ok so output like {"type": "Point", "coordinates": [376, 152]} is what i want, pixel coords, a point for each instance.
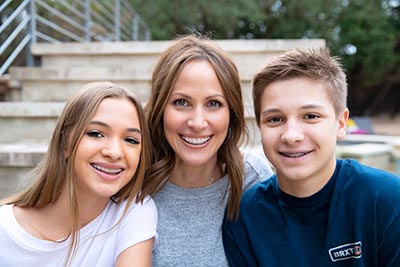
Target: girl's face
{"type": "Point", "coordinates": [108, 153]}
{"type": "Point", "coordinates": [196, 118]}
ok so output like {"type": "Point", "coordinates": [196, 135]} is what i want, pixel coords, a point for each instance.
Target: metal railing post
{"type": "Point", "coordinates": [87, 20]}
{"type": "Point", "coordinates": [30, 61]}
{"type": "Point", "coordinates": [135, 28]}
{"type": "Point", "coordinates": [117, 18]}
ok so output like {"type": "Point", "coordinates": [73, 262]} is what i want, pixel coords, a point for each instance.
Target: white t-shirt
{"type": "Point", "coordinates": [98, 245]}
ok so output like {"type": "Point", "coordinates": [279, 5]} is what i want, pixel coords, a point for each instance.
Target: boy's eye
{"type": "Point", "coordinates": [311, 116]}
{"type": "Point", "coordinates": [214, 104]}
{"type": "Point", "coordinates": [94, 134]}
{"type": "Point", "coordinates": [181, 103]}
{"type": "Point", "coordinates": [132, 140]}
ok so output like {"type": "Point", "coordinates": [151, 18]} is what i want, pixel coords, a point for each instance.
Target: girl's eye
{"type": "Point", "coordinates": [214, 104]}
{"type": "Point", "coordinates": [274, 120]}
{"type": "Point", "coordinates": [132, 140]}
{"type": "Point", "coordinates": [181, 103]}
{"type": "Point", "coordinates": [94, 134]}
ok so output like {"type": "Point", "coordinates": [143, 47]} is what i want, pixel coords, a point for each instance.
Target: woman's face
{"type": "Point", "coordinates": [196, 117]}
{"type": "Point", "coordinates": [108, 153]}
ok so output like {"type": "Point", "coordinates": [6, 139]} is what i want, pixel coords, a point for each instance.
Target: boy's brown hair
{"type": "Point", "coordinates": [317, 64]}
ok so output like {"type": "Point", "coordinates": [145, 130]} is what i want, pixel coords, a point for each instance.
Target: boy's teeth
{"type": "Point", "coordinates": [294, 155]}
{"type": "Point", "coordinates": [107, 170]}
{"type": "Point", "coordinates": [196, 141]}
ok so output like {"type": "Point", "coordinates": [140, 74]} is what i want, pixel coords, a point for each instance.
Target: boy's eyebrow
{"type": "Point", "coordinates": [314, 106]}
{"type": "Point", "coordinates": [309, 106]}
{"type": "Point", "coordinates": [132, 129]}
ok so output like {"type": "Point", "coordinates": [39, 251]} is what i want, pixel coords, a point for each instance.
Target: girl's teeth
{"type": "Point", "coordinates": [106, 170]}
{"type": "Point", "coordinates": [196, 141]}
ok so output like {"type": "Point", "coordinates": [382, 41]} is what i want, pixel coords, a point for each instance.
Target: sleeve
{"type": "Point", "coordinates": [257, 168]}
{"type": "Point", "coordinates": [390, 248]}
{"type": "Point", "coordinates": [139, 224]}
{"type": "Point", "coordinates": [236, 244]}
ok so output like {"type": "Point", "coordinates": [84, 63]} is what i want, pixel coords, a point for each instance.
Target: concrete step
{"type": "Point", "coordinates": [16, 162]}
{"type": "Point", "coordinates": [249, 55]}
{"type": "Point", "coordinates": [28, 121]}
{"type": "Point", "coordinates": [60, 83]}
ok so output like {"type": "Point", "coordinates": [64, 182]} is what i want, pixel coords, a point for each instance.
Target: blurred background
{"type": "Point", "coordinates": [50, 48]}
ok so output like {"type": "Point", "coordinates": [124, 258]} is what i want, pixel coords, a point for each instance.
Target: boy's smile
{"type": "Point", "coordinates": [299, 129]}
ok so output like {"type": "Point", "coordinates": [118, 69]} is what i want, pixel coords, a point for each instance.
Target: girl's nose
{"type": "Point", "coordinates": [112, 149]}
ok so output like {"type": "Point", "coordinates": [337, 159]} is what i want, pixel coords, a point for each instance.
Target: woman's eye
{"type": "Point", "coordinates": [181, 103]}
{"type": "Point", "coordinates": [132, 140]}
{"type": "Point", "coordinates": [94, 134]}
{"type": "Point", "coordinates": [214, 104]}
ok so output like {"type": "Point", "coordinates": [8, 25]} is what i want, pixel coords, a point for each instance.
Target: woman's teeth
{"type": "Point", "coordinates": [196, 141]}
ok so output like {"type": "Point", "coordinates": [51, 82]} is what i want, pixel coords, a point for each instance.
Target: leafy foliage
{"type": "Point", "coordinates": [364, 33]}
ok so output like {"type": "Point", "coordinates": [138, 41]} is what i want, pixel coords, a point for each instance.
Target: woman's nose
{"type": "Point", "coordinates": [198, 119]}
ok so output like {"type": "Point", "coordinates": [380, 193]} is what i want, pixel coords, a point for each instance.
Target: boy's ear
{"type": "Point", "coordinates": [342, 124]}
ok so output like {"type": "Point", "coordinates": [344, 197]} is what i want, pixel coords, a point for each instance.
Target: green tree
{"type": "Point", "coordinates": [364, 33]}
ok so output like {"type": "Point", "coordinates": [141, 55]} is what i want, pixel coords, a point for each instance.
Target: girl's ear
{"type": "Point", "coordinates": [342, 124]}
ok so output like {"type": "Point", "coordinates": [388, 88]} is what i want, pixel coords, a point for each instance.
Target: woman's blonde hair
{"type": "Point", "coordinates": [165, 74]}
{"type": "Point", "coordinates": [55, 173]}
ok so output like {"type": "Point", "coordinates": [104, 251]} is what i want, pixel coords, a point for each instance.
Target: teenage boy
{"type": "Point", "coordinates": [317, 210]}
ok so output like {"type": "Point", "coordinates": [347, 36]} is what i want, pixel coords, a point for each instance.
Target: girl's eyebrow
{"type": "Point", "coordinates": [131, 129]}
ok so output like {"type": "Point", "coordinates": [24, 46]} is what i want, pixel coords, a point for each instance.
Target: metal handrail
{"type": "Point", "coordinates": [25, 22]}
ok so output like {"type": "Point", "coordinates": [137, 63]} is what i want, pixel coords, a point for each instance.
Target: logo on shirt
{"type": "Point", "coordinates": [347, 251]}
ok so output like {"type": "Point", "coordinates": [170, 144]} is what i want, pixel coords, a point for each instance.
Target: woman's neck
{"type": "Point", "coordinates": [196, 176]}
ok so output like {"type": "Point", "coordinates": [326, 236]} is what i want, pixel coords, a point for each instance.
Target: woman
{"type": "Point", "coordinates": [196, 118]}
{"type": "Point", "coordinates": [85, 207]}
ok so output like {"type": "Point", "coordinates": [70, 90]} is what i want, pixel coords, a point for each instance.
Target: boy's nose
{"type": "Point", "coordinates": [292, 133]}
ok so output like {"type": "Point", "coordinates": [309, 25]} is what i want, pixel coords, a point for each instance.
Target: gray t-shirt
{"type": "Point", "coordinates": [190, 219]}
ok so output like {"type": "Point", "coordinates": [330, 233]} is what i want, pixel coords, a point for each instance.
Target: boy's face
{"type": "Point", "coordinates": [299, 129]}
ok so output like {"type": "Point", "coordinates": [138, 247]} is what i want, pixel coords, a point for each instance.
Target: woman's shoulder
{"type": "Point", "coordinates": [257, 167]}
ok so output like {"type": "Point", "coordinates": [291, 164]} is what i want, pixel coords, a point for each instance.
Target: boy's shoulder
{"type": "Point", "coordinates": [368, 180]}
{"type": "Point", "coordinates": [361, 171]}
{"type": "Point", "coordinates": [260, 190]}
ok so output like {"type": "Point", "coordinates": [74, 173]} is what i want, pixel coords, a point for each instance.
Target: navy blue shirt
{"type": "Point", "coordinates": [354, 220]}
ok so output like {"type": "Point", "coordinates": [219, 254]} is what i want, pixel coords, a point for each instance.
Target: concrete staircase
{"type": "Point", "coordinates": [38, 93]}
